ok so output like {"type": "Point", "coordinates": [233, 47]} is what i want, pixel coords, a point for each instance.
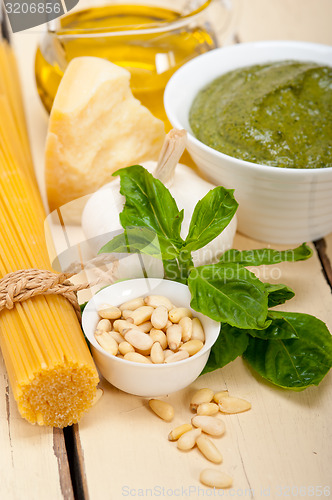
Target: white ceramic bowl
{"type": "Point", "coordinates": [145, 379]}
{"type": "Point", "coordinates": [277, 205]}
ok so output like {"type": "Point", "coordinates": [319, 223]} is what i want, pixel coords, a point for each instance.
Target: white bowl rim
{"type": "Point", "coordinates": [289, 171]}
{"type": "Point", "coordinates": [163, 366]}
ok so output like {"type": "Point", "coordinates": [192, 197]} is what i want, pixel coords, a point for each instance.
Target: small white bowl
{"type": "Point", "coordinates": [278, 205]}
{"type": "Point", "coordinates": [145, 379]}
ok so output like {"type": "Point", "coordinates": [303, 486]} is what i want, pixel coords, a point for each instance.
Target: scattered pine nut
{"type": "Point", "coordinates": [188, 440]}
{"type": "Point", "coordinates": [220, 395]}
{"type": "Point", "coordinates": [215, 478]}
{"type": "Point", "coordinates": [201, 396]}
{"type": "Point", "coordinates": [233, 405]}
{"type": "Point", "coordinates": [98, 395]}
{"type": "Point", "coordinates": [176, 433]}
{"type": "Point", "coordinates": [210, 425]}
{"type": "Point", "coordinates": [207, 409]}
{"type": "Point", "coordinates": [164, 410]}
{"type": "Point", "coordinates": [208, 449]}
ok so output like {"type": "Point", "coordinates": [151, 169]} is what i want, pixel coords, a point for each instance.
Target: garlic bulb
{"type": "Point", "coordinates": [100, 219]}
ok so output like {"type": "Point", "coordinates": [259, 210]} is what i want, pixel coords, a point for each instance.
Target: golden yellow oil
{"type": "Point", "coordinates": [151, 58]}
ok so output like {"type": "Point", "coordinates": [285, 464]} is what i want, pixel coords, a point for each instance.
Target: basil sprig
{"type": "Point", "coordinates": [291, 350]}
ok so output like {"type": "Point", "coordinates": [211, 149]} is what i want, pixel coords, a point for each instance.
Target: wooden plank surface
{"type": "Point", "coordinates": [282, 443]}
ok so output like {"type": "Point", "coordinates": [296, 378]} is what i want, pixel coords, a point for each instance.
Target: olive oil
{"type": "Point", "coordinates": [135, 37]}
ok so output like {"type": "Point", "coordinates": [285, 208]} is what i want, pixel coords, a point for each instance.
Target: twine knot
{"type": "Point", "coordinates": [27, 283]}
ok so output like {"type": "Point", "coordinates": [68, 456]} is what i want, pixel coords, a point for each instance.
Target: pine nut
{"type": "Point", "coordinates": [126, 314]}
{"type": "Point", "coordinates": [178, 313]}
{"type": "Point", "coordinates": [173, 335]}
{"type": "Point", "coordinates": [104, 325]}
{"type": "Point", "coordinates": [139, 339]}
{"type": "Point", "coordinates": [109, 312]}
{"type": "Point", "coordinates": [136, 357]}
{"type": "Point", "coordinates": [125, 347]}
{"type": "Point", "coordinates": [220, 395]}
{"type": "Point", "coordinates": [201, 396]}
{"type": "Point", "coordinates": [107, 343]}
{"type": "Point", "coordinates": [141, 314]}
{"type": "Point", "coordinates": [158, 300]}
{"type": "Point", "coordinates": [145, 327]}
{"type": "Point", "coordinates": [157, 353]}
{"type": "Point", "coordinates": [187, 328]}
{"type": "Point", "coordinates": [116, 336]}
{"type": "Point", "coordinates": [215, 478]}
{"type": "Point", "coordinates": [188, 440]}
{"type": "Point", "coordinates": [169, 323]}
{"type": "Point", "coordinates": [209, 425]}
{"type": "Point", "coordinates": [207, 409]}
{"type": "Point", "coordinates": [232, 405]}
{"type": "Point", "coordinates": [168, 353]}
{"type": "Point", "coordinates": [120, 325]}
{"type": "Point", "coordinates": [177, 356]}
{"type": "Point", "coordinates": [159, 317]}
{"type": "Point", "coordinates": [132, 304]}
{"type": "Point", "coordinates": [192, 347]}
{"type": "Point", "coordinates": [159, 336]}
{"type": "Point", "coordinates": [164, 410]}
{"type": "Point", "coordinates": [208, 449]}
{"type": "Point", "coordinates": [197, 331]}
{"type": "Point", "coordinates": [176, 433]}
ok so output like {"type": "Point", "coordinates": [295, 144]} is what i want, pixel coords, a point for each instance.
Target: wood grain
{"type": "Point", "coordinates": [283, 442]}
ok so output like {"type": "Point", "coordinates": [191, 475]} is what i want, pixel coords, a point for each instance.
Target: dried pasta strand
{"type": "Point", "coordinates": [50, 368]}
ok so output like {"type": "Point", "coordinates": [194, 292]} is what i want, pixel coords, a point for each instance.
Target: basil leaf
{"type": "Point", "coordinates": [278, 293]}
{"type": "Point", "coordinates": [230, 344]}
{"type": "Point", "coordinates": [294, 363]}
{"type": "Point", "coordinates": [266, 256]}
{"type": "Point", "coordinates": [229, 294]}
{"type": "Point", "coordinates": [210, 217]}
{"type": "Point", "coordinates": [149, 203]}
{"type": "Point", "coordinates": [139, 240]}
{"type": "Point", "coordinates": [280, 328]}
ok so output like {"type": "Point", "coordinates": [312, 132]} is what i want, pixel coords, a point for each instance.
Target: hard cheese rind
{"type": "Point", "coordinates": [96, 127]}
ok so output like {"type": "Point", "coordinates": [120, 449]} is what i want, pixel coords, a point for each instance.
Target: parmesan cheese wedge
{"type": "Point", "coordinates": [96, 126]}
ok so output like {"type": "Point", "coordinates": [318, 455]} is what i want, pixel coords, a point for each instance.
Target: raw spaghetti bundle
{"type": "Point", "coordinates": [51, 371]}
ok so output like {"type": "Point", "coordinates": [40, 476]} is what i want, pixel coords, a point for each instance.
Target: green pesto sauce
{"type": "Point", "coordinates": [277, 114]}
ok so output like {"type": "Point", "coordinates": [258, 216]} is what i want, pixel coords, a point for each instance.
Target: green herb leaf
{"type": "Point", "coordinates": [150, 204]}
{"type": "Point", "coordinates": [230, 344]}
{"type": "Point", "coordinates": [280, 328]}
{"type": "Point", "coordinates": [210, 217]}
{"type": "Point", "coordinates": [139, 240]}
{"type": "Point", "coordinates": [278, 293]}
{"type": "Point", "coordinates": [266, 256]}
{"type": "Point", "coordinates": [294, 363]}
{"type": "Point", "coordinates": [229, 294]}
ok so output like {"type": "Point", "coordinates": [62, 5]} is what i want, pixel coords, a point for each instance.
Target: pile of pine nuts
{"type": "Point", "coordinates": [206, 404]}
{"type": "Point", "coordinates": [149, 330]}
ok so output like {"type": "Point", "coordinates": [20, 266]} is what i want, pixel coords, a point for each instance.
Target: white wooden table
{"type": "Point", "coordinates": [281, 448]}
